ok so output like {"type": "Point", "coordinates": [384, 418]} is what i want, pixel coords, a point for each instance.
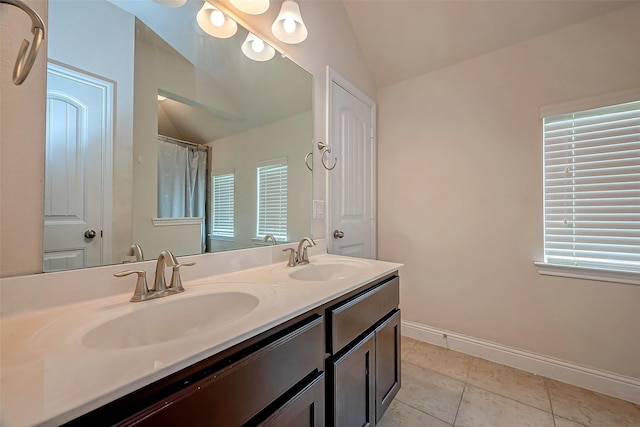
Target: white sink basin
{"type": "Point", "coordinates": [327, 270]}
{"type": "Point", "coordinates": [168, 319]}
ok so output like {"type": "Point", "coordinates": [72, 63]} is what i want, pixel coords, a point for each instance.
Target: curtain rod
{"type": "Point", "coordinates": [180, 141]}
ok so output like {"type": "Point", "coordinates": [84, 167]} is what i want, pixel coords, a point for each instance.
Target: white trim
{"type": "Point", "coordinates": [589, 103]}
{"type": "Point", "coordinates": [619, 386]}
{"type": "Point", "coordinates": [602, 275]}
{"type": "Point", "coordinates": [167, 222]}
{"type": "Point", "coordinates": [334, 77]}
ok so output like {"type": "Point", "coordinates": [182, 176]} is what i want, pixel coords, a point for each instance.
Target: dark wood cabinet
{"type": "Point", "coordinates": [364, 370]}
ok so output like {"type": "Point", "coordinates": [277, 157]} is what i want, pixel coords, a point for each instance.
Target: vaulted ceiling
{"type": "Point", "coordinates": [403, 39]}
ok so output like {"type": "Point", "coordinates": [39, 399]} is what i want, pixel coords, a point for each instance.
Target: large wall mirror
{"type": "Point", "coordinates": [162, 136]}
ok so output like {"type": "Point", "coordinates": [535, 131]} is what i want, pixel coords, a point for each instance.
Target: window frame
{"type": "Point", "coordinates": [259, 232]}
{"type": "Point", "coordinates": [228, 236]}
{"type": "Point", "coordinates": [572, 271]}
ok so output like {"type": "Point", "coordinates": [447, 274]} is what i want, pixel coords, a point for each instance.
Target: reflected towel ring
{"type": "Point", "coordinates": [306, 160]}
{"type": "Point", "coordinates": [325, 150]}
{"type": "Point", "coordinates": [25, 59]}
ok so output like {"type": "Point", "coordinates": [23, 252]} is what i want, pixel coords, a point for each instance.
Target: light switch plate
{"type": "Point", "coordinates": [318, 209]}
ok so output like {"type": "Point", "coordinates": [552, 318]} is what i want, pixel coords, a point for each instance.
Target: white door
{"type": "Point", "coordinates": [78, 131]}
{"type": "Point", "coordinates": [352, 218]}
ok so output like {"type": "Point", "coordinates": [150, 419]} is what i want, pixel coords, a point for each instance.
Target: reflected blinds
{"type": "Point", "coordinates": [592, 188]}
{"type": "Point", "coordinates": [222, 206]}
{"type": "Point", "coordinates": [272, 201]}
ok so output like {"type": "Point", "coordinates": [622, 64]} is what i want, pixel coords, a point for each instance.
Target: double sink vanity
{"type": "Point", "coordinates": [247, 343]}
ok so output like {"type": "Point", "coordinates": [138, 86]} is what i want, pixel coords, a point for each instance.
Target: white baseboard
{"type": "Point", "coordinates": [608, 383]}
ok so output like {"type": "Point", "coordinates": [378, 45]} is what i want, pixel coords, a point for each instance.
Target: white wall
{"type": "Point", "coordinates": [460, 196]}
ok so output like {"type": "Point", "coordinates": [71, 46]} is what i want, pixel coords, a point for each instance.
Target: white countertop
{"type": "Point", "coordinates": [48, 376]}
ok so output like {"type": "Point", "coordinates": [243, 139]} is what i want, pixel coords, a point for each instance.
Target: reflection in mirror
{"type": "Point", "coordinates": [250, 124]}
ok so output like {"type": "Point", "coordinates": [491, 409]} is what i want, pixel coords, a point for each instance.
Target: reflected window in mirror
{"type": "Point", "coordinates": [272, 200]}
{"type": "Point", "coordinates": [223, 206]}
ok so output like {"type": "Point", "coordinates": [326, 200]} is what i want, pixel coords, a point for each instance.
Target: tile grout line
{"type": "Point", "coordinates": [464, 389]}
{"type": "Point", "coordinates": [426, 413]}
{"type": "Point", "coordinates": [553, 415]}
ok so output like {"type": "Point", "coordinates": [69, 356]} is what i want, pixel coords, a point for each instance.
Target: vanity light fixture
{"type": "Point", "coordinates": [252, 7]}
{"type": "Point", "coordinates": [288, 26]}
{"type": "Point", "coordinates": [215, 23]}
{"type": "Point", "coordinates": [255, 48]}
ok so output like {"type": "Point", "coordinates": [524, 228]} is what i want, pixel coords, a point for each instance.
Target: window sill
{"type": "Point", "coordinates": [616, 276]}
{"type": "Point", "coordinates": [221, 238]}
{"type": "Point", "coordinates": [168, 222]}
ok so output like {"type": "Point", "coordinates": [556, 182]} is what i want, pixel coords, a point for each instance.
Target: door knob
{"type": "Point", "coordinates": [337, 234]}
{"type": "Point", "coordinates": [90, 234]}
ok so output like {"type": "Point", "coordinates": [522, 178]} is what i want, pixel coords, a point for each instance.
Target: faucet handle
{"type": "Point", "coordinates": [142, 291]}
{"type": "Point", "coordinates": [292, 257]}
{"type": "Point", "coordinates": [176, 281]}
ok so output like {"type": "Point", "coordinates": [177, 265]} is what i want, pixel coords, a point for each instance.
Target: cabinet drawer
{"type": "Point", "coordinates": [304, 409]}
{"type": "Point", "coordinates": [352, 318]}
{"type": "Point", "coordinates": [233, 395]}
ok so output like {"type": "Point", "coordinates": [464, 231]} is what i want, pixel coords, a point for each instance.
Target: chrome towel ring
{"type": "Point", "coordinates": [325, 150]}
{"type": "Point", "coordinates": [26, 56]}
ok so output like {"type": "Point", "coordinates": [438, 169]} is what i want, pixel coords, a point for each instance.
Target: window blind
{"type": "Point", "coordinates": [592, 188]}
{"type": "Point", "coordinates": [272, 201]}
{"type": "Point", "coordinates": [222, 208]}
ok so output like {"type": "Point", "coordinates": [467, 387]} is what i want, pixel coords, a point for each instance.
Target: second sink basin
{"type": "Point", "coordinates": [167, 319]}
{"type": "Point", "coordinates": [327, 270]}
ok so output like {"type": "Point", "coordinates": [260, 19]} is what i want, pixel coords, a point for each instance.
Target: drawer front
{"type": "Point", "coordinates": [238, 392]}
{"type": "Point", "coordinates": [352, 318]}
{"type": "Point", "coordinates": [304, 409]}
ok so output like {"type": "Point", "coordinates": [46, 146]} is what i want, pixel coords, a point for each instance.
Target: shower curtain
{"type": "Point", "coordinates": [182, 180]}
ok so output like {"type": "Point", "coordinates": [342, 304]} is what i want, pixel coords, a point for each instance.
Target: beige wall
{"type": "Point", "coordinates": [22, 134]}
{"type": "Point", "coordinates": [460, 196]}
{"type": "Point", "coordinates": [330, 42]}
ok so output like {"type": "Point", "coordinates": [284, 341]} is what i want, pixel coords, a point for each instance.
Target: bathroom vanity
{"type": "Point", "coordinates": [318, 346]}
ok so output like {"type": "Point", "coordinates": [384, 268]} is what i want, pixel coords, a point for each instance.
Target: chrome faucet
{"type": "Point", "coordinates": [136, 250]}
{"type": "Point", "coordinates": [165, 259]}
{"type": "Point", "coordinates": [303, 257]}
{"type": "Point", "coordinates": [269, 236]}
{"type": "Point", "coordinates": [300, 256]}
{"type": "Point", "coordinates": [160, 288]}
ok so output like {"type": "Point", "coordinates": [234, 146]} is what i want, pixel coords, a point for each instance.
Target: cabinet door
{"type": "Point", "coordinates": [304, 409]}
{"type": "Point", "coordinates": [387, 363]}
{"type": "Point", "coordinates": [353, 385]}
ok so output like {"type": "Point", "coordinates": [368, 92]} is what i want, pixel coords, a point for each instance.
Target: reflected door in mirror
{"type": "Point", "coordinates": [77, 131]}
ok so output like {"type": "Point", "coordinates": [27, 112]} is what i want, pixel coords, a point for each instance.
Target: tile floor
{"type": "Point", "coordinates": [443, 388]}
